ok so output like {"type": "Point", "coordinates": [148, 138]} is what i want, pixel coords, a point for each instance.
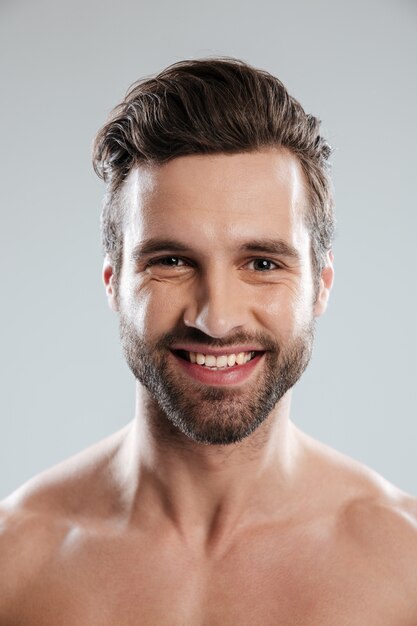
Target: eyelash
{"type": "Point", "coordinates": [268, 261]}
{"type": "Point", "coordinates": [160, 261]}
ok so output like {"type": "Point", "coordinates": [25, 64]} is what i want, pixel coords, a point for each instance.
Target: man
{"type": "Point", "coordinates": [211, 508]}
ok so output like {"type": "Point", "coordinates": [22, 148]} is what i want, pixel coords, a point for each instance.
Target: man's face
{"type": "Point", "coordinates": [216, 289]}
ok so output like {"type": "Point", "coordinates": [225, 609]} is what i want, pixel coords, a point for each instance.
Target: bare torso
{"type": "Point", "coordinates": [350, 561]}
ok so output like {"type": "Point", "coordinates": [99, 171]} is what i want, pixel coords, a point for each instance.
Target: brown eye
{"type": "Point", "coordinates": [168, 261]}
{"type": "Point", "coordinates": [262, 265]}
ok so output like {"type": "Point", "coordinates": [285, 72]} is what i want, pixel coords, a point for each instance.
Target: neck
{"type": "Point", "coordinates": [206, 491]}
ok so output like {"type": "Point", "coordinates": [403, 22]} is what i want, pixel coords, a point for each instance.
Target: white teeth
{"type": "Point", "coordinates": [222, 361]}
{"type": "Point", "coordinates": [231, 359]}
{"type": "Point", "coordinates": [200, 358]}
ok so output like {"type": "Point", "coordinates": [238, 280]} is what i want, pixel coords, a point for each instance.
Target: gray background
{"type": "Point", "coordinates": [64, 384]}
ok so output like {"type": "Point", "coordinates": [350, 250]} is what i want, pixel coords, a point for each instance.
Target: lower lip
{"type": "Point", "coordinates": [235, 375]}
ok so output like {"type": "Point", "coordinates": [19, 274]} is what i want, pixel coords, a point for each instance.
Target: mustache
{"type": "Point", "coordinates": [193, 335]}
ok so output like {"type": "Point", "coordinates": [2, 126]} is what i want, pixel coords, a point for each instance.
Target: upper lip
{"type": "Point", "coordinates": [217, 351]}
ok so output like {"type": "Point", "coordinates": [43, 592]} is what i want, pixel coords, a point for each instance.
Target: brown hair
{"type": "Point", "coordinates": [205, 106]}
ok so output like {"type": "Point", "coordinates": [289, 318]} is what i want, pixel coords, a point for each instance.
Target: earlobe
{"type": "Point", "coordinates": [326, 282]}
{"type": "Point", "coordinates": [109, 282]}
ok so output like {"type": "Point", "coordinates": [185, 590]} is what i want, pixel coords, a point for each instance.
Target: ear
{"type": "Point", "coordinates": [109, 282]}
{"type": "Point", "coordinates": [326, 282]}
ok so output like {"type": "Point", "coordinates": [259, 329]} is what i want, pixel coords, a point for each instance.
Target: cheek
{"type": "Point", "coordinates": [286, 312]}
{"type": "Point", "coordinates": [150, 310]}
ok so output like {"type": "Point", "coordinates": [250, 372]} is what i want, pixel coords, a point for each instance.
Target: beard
{"type": "Point", "coordinates": [207, 414]}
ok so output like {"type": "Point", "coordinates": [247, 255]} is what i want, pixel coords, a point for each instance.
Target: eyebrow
{"type": "Point", "coordinates": [277, 247]}
{"type": "Point", "coordinates": [150, 246]}
{"type": "Point", "coordinates": [271, 246]}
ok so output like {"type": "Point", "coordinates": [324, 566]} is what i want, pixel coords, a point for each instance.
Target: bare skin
{"type": "Point", "coordinates": [152, 527]}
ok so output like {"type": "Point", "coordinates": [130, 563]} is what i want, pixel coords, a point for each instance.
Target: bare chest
{"type": "Point", "coordinates": [108, 582]}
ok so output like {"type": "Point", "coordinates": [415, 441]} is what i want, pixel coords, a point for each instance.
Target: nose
{"type": "Point", "coordinates": [217, 307]}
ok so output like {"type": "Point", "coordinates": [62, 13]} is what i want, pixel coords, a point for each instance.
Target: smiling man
{"type": "Point", "coordinates": [211, 508]}
{"type": "Point", "coordinates": [216, 290]}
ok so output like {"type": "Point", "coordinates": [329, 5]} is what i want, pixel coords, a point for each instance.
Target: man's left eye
{"type": "Point", "coordinates": [262, 265]}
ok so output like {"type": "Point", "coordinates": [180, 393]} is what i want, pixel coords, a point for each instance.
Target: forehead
{"type": "Point", "coordinates": [218, 199]}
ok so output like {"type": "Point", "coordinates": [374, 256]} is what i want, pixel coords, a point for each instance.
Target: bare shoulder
{"type": "Point", "coordinates": [380, 525]}
{"type": "Point", "coordinates": [27, 538]}
{"type": "Point", "coordinates": [373, 504]}
{"type": "Point", "coordinates": [29, 541]}
{"type": "Point", "coordinates": [77, 485]}
{"type": "Point", "coordinates": [383, 519]}
{"type": "Point", "coordinates": [376, 521]}
{"type": "Point", "coordinates": [36, 519]}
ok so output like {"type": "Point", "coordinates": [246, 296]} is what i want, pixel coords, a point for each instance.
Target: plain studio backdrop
{"type": "Point", "coordinates": [64, 383]}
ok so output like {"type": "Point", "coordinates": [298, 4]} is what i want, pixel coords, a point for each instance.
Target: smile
{"type": "Point", "coordinates": [216, 362]}
{"type": "Point", "coordinates": [231, 369]}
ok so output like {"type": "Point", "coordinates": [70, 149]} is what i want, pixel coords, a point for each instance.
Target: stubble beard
{"type": "Point", "coordinates": [215, 415]}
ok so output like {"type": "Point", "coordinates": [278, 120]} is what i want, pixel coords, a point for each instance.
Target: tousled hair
{"type": "Point", "coordinates": [208, 106]}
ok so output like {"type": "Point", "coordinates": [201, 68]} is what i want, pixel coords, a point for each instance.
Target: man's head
{"type": "Point", "coordinates": [225, 251]}
{"type": "Point", "coordinates": [210, 106]}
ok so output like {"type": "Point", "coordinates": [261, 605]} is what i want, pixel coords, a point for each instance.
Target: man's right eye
{"type": "Point", "coordinates": [167, 261]}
